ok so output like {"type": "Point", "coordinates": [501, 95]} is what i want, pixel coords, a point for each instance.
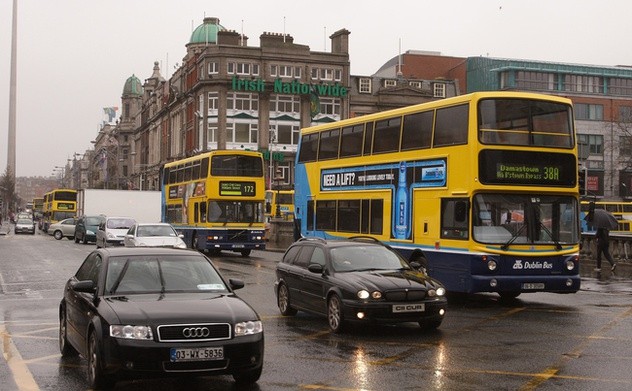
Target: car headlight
{"type": "Point", "coordinates": [180, 244]}
{"type": "Point", "coordinates": [111, 235]}
{"type": "Point", "coordinates": [90, 232]}
{"type": "Point", "coordinates": [436, 292]}
{"type": "Point", "coordinates": [248, 328]}
{"type": "Point", "coordinates": [131, 332]}
{"type": "Point", "coordinates": [363, 294]}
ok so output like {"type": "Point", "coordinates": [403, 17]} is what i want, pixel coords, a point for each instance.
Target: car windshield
{"type": "Point", "coordinates": [161, 274]}
{"type": "Point", "coordinates": [120, 223]}
{"type": "Point", "coordinates": [93, 220]}
{"type": "Point", "coordinates": [155, 230]}
{"type": "Point", "coordinates": [359, 257]}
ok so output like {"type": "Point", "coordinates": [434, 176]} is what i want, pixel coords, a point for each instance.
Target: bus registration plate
{"type": "Point", "coordinates": [411, 307]}
{"type": "Point", "coordinates": [196, 354]}
{"type": "Point", "coordinates": [533, 285]}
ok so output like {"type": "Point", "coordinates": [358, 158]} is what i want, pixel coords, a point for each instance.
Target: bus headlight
{"type": "Point", "coordinates": [570, 265]}
{"type": "Point", "coordinates": [492, 265]}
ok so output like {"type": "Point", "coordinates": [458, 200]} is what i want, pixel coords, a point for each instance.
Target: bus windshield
{"type": "Point", "coordinates": [524, 219]}
{"type": "Point", "coordinates": [235, 212]}
{"type": "Point", "coordinates": [525, 122]}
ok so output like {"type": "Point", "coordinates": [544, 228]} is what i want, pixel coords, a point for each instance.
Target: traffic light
{"type": "Point", "coordinates": [581, 180]}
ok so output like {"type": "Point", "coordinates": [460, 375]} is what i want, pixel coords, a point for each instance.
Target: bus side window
{"type": "Point", "coordinates": [196, 212]}
{"type": "Point", "coordinates": [203, 212]}
{"type": "Point", "coordinates": [454, 221]}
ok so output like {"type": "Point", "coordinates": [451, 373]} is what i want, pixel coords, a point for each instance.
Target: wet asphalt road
{"type": "Point", "coordinates": [538, 342]}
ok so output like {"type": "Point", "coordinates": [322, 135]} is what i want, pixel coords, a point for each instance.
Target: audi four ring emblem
{"type": "Point", "coordinates": [196, 332]}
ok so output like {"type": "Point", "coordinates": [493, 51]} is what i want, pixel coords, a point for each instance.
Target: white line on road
{"type": "Point", "coordinates": [21, 374]}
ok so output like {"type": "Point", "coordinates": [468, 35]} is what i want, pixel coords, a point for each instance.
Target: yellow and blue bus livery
{"type": "Point", "coordinates": [216, 200]}
{"type": "Point", "coordinates": [481, 187]}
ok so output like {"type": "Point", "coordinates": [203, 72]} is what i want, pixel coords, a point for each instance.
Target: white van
{"type": "Point", "coordinates": [112, 231]}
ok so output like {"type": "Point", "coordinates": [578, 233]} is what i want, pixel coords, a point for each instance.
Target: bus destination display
{"type": "Point", "coordinates": [527, 168]}
{"type": "Point", "coordinates": [243, 189]}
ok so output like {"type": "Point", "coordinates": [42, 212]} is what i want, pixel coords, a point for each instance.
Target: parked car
{"type": "Point", "coordinates": [112, 231]}
{"type": "Point", "coordinates": [24, 225]}
{"type": "Point", "coordinates": [63, 229]}
{"type": "Point", "coordinates": [86, 228]}
{"type": "Point", "coordinates": [136, 312]}
{"type": "Point", "coordinates": [153, 235]}
{"type": "Point", "coordinates": [359, 279]}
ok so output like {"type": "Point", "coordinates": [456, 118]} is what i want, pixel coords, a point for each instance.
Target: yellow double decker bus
{"type": "Point", "coordinates": [482, 188]}
{"type": "Point", "coordinates": [59, 204]}
{"type": "Point", "coordinates": [622, 210]}
{"type": "Point", "coordinates": [280, 204]}
{"type": "Point", "coordinates": [216, 200]}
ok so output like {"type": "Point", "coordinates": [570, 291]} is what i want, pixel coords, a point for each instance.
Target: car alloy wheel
{"type": "Point", "coordinates": [283, 301]}
{"type": "Point", "coordinates": [65, 348]}
{"type": "Point", "coordinates": [334, 314]}
{"type": "Point", "coordinates": [58, 235]}
{"type": "Point", "coordinates": [96, 378]}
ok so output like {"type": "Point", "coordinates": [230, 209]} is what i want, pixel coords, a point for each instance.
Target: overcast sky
{"type": "Point", "coordinates": [74, 56]}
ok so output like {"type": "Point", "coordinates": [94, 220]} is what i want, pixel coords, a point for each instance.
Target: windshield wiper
{"type": "Point", "coordinates": [120, 277]}
{"type": "Point", "coordinates": [515, 236]}
{"type": "Point", "coordinates": [558, 246]}
{"type": "Point", "coordinates": [162, 279]}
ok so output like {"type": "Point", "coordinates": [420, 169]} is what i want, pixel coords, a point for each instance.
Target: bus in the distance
{"type": "Point", "coordinates": [481, 189]}
{"type": "Point", "coordinates": [38, 208]}
{"type": "Point", "coordinates": [59, 204]}
{"type": "Point", "coordinates": [622, 210]}
{"type": "Point", "coordinates": [216, 200]}
{"type": "Point", "coordinates": [280, 204]}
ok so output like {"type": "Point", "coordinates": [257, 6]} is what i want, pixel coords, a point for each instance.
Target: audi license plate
{"type": "Point", "coordinates": [412, 307]}
{"type": "Point", "coordinates": [197, 354]}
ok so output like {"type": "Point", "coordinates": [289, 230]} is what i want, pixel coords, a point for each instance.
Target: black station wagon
{"type": "Point", "coordinates": [359, 279]}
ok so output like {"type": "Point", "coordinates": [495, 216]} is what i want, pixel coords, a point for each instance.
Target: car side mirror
{"type": "Point", "coordinates": [236, 283]}
{"type": "Point", "coordinates": [181, 236]}
{"type": "Point", "coordinates": [415, 265]}
{"type": "Point", "coordinates": [86, 286]}
{"type": "Point", "coordinates": [130, 236]}
{"type": "Point", "coordinates": [315, 268]}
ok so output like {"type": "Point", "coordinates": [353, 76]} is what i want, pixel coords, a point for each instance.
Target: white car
{"type": "Point", "coordinates": [63, 229]}
{"type": "Point", "coordinates": [153, 235]}
{"type": "Point", "coordinates": [112, 230]}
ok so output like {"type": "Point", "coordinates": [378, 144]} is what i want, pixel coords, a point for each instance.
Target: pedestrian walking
{"type": "Point", "coordinates": [603, 247]}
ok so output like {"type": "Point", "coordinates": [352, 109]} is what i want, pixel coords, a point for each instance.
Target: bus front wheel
{"type": "Point", "coordinates": [508, 295]}
{"type": "Point", "coordinates": [245, 253]}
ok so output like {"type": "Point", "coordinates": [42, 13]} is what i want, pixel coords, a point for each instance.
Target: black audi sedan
{"type": "Point", "coordinates": [358, 279]}
{"type": "Point", "coordinates": [157, 312]}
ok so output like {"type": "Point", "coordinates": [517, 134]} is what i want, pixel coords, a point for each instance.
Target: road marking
{"type": "Point", "coordinates": [21, 374]}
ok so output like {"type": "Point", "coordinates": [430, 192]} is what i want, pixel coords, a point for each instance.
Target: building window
{"type": "Point", "coordinates": [390, 83]}
{"type": "Point", "coordinates": [213, 101]}
{"type": "Point", "coordinates": [286, 133]}
{"type": "Point", "coordinates": [439, 90]}
{"type": "Point", "coordinates": [536, 80]}
{"type": "Point", "coordinates": [364, 86]}
{"type": "Point", "coordinates": [213, 68]}
{"type": "Point", "coordinates": [212, 132]}
{"type": "Point", "coordinates": [243, 102]}
{"type": "Point", "coordinates": [242, 68]}
{"type": "Point", "coordinates": [583, 83]}
{"type": "Point", "coordinates": [416, 84]}
{"type": "Point", "coordinates": [240, 132]}
{"type": "Point", "coordinates": [274, 70]}
{"type": "Point", "coordinates": [330, 106]}
{"type": "Point", "coordinates": [285, 104]}
{"type": "Point", "coordinates": [327, 74]}
{"type": "Point", "coordinates": [585, 111]}
{"type": "Point", "coordinates": [625, 114]}
{"type": "Point", "coordinates": [625, 147]}
{"type": "Point", "coordinates": [593, 142]}
{"type": "Point", "coordinates": [620, 86]}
